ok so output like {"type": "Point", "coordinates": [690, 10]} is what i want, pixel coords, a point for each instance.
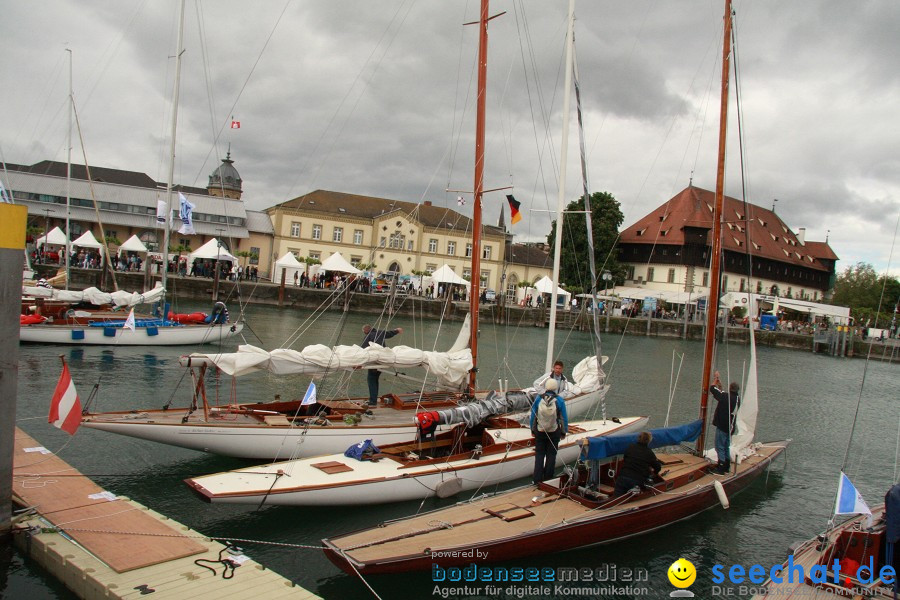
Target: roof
{"type": "Point", "coordinates": [528, 254]}
{"type": "Point", "coordinates": [368, 207]}
{"type": "Point", "coordinates": [259, 222]}
{"type": "Point", "coordinates": [102, 174]}
{"type": "Point", "coordinates": [692, 207]}
{"type": "Point", "coordinates": [821, 250]}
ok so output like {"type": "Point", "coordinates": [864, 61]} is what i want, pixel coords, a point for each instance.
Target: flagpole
{"type": "Point", "coordinates": [69, 171]}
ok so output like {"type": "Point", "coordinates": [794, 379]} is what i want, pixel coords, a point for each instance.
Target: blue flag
{"type": "Point", "coordinates": [849, 501]}
{"type": "Point", "coordinates": [310, 396]}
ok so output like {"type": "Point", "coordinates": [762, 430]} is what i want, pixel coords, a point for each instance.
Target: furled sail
{"type": "Point", "coordinates": [495, 403]}
{"type": "Point", "coordinates": [94, 296]}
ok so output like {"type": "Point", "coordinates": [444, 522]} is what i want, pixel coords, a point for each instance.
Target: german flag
{"type": "Point", "coordinates": [514, 215]}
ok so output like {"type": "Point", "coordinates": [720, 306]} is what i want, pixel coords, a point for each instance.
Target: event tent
{"type": "Point", "coordinates": [446, 275]}
{"type": "Point", "coordinates": [211, 251]}
{"type": "Point", "coordinates": [338, 263]}
{"type": "Point", "coordinates": [87, 240]}
{"type": "Point", "coordinates": [56, 237]}
{"type": "Point", "coordinates": [133, 244]}
{"type": "Point", "coordinates": [290, 264]}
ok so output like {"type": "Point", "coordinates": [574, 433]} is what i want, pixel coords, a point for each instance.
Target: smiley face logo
{"type": "Point", "coordinates": [682, 573]}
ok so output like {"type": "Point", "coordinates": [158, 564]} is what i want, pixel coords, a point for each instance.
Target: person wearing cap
{"type": "Point", "coordinates": [549, 424]}
{"type": "Point", "coordinates": [725, 420]}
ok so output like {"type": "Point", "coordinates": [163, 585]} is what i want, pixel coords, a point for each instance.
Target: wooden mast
{"type": "Point", "coordinates": [478, 190]}
{"type": "Point", "coordinates": [712, 304]}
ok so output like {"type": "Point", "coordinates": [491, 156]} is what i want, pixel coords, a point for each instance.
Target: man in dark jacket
{"type": "Point", "coordinates": [376, 336]}
{"type": "Point", "coordinates": [725, 420]}
{"type": "Point", "coordinates": [638, 463]}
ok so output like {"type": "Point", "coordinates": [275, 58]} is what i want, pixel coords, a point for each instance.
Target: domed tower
{"type": "Point", "coordinates": [225, 180]}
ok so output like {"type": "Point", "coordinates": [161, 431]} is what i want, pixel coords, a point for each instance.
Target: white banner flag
{"type": "Point", "coordinates": [161, 213]}
{"type": "Point", "coordinates": [186, 212]}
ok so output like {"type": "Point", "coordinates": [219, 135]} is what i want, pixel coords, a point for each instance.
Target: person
{"type": "Point", "coordinates": [376, 336]}
{"type": "Point", "coordinates": [549, 424]}
{"type": "Point", "coordinates": [638, 463]}
{"type": "Point", "coordinates": [557, 374]}
{"type": "Point", "coordinates": [725, 420]}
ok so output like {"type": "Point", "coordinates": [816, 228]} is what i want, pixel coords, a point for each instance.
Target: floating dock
{"type": "Point", "coordinates": [105, 546]}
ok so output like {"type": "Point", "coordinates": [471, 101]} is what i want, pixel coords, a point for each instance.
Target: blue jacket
{"type": "Point", "coordinates": [377, 336]}
{"type": "Point", "coordinates": [562, 417]}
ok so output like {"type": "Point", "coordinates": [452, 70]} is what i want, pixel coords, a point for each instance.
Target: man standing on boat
{"type": "Point", "coordinates": [549, 423]}
{"type": "Point", "coordinates": [557, 374]}
{"type": "Point", "coordinates": [725, 420]}
{"type": "Point", "coordinates": [376, 336]}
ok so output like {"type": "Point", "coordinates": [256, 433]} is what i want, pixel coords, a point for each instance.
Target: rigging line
{"type": "Point", "coordinates": [324, 156]}
{"type": "Point", "coordinates": [455, 134]}
{"type": "Point", "coordinates": [871, 346]}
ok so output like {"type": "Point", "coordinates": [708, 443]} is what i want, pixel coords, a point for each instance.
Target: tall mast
{"type": "Point", "coordinates": [168, 225]}
{"type": "Point", "coordinates": [712, 304]}
{"type": "Point", "coordinates": [561, 197]}
{"type": "Point", "coordinates": [68, 171]}
{"type": "Point", "coordinates": [478, 188]}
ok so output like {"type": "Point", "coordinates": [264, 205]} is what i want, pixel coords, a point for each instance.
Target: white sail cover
{"type": "Point", "coordinates": [95, 296]}
{"type": "Point", "coordinates": [450, 367]}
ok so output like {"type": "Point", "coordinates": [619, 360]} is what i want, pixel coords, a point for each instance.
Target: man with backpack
{"type": "Point", "coordinates": [549, 423]}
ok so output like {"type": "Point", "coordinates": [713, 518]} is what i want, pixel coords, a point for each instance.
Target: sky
{"type": "Point", "coordinates": [377, 98]}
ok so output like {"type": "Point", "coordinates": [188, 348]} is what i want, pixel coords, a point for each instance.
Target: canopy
{"type": "Point", "coordinates": [133, 244]}
{"type": "Point", "coordinates": [446, 275]}
{"type": "Point", "coordinates": [611, 445]}
{"type": "Point", "coordinates": [669, 296]}
{"type": "Point", "coordinates": [545, 286]}
{"type": "Point", "coordinates": [56, 236]}
{"type": "Point", "coordinates": [211, 251]}
{"type": "Point", "coordinates": [338, 263]}
{"type": "Point", "coordinates": [290, 265]}
{"type": "Point", "coordinates": [87, 240]}
{"type": "Point", "coordinates": [289, 260]}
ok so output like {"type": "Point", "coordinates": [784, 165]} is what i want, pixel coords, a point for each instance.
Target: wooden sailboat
{"type": "Point", "coordinates": [577, 509]}
{"type": "Point", "coordinates": [287, 430]}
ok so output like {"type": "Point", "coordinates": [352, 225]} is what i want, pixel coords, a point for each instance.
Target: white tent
{"type": "Point", "coordinates": [290, 264]}
{"type": "Point", "coordinates": [545, 285]}
{"type": "Point", "coordinates": [133, 244]}
{"type": "Point", "coordinates": [56, 237]}
{"type": "Point", "coordinates": [87, 240]}
{"type": "Point", "coordinates": [338, 263]}
{"type": "Point", "coordinates": [446, 275]}
{"type": "Point", "coordinates": [211, 251]}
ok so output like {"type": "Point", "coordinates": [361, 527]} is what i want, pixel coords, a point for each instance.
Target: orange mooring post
{"type": "Point", "coordinates": [13, 221]}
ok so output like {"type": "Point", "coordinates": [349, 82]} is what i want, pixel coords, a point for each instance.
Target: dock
{"type": "Point", "coordinates": [105, 546]}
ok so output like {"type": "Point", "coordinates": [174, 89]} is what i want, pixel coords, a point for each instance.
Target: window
{"type": "Point", "coordinates": [317, 232]}
{"type": "Point", "coordinates": [629, 273]}
{"type": "Point", "coordinates": [338, 234]}
{"type": "Point", "coordinates": [383, 242]}
{"type": "Point", "coordinates": [315, 255]}
{"type": "Point", "coordinates": [705, 279]}
{"type": "Point", "coordinates": [397, 241]}
{"type": "Point", "coordinates": [430, 268]}
{"type": "Point", "coordinates": [254, 255]}
{"type": "Point", "coordinates": [725, 282]}
{"type": "Point", "coordinates": [467, 274]}
{"type": "Point", "coordinates": [671, 278]}
{"type": "Point", "coordinates": [409, 245]}
{"type": "Point", "coordinates": [184, 242]}
{"type": "Point", "coordinates": [451, 248]}
{"type": "Point", "coordinates": [358, 237]}
{"type": "Point", "coordinates": [486, 253]}
{"type": "Point", "coordinates": [759, 287]}
{"type": "Point", "coordinates": [485, 276]}
{"type": "Point", "coordinates": [468, 250]}
{"type": "Point", "coordinates": [111, 233]}
{"type": "Point", "coordinates": [432, 246]}
{"type": "Point", "coordinates": [650, 274]}
{"type": "Point", "coordinates": [295, 229]}
{"type": "Point", "coordinates": [355, 260]}
{"type": "Point", "coordinates": [743, 284]}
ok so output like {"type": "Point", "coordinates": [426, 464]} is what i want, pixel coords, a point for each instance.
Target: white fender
{"type": "Point", "coordinates": [720, 492]}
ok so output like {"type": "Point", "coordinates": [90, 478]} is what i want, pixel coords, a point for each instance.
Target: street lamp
{"type": "Point", "coordinates": [606, 278]}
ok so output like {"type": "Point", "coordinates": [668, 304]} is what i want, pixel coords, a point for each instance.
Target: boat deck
{"type": "Point", "coordinates": [102, 545]}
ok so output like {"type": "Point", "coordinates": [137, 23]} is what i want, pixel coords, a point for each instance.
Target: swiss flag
{"type": "Point", "coordinates": [65, 408]}
{"type": "Point", "coordinates": [235, 124]}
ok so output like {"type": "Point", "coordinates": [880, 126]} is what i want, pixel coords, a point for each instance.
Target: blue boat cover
{"type": "Point", "coordinates": [612, 445]}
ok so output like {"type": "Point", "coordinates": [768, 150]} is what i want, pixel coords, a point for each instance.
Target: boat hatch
{"type": "Point", "coordinates": [509, 512]}
{"type": "Point", "coordinates": [669, 459]}
{"type": "Point", "coordinates": [332, 467]}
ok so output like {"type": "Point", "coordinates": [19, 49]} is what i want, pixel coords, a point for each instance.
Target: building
{"type": "Point", "coordinates": [526, 263]}
{"type": "Point", "coordinates": [385, 235]}
{"type": "Point", "coordinates": [127, 204]}
{"type": "Point", "coordinates": [668, 249]}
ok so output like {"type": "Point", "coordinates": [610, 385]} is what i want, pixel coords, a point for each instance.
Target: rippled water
{"type": "Point", "coordinates": [806, 397]}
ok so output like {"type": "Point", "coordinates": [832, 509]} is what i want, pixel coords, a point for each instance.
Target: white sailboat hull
{"type": "Point", "coordinates": [93, 336]}
{"type": "Point", "coordinates": [300, 483]}
{"type": "Point", "coordinates": [265, 441]}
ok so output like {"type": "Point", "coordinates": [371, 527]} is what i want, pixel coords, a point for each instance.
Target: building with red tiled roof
{"type": "Point", "coordinates": [668, 249]}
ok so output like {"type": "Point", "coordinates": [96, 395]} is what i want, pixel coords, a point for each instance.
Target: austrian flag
{"type": "Point", "coordinates": [65, 408]}
{"type": "Point", "coordinates": [235, 124]}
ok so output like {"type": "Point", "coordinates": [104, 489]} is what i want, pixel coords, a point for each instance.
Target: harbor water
{"type": "Point", "coordinates": [809, 398]}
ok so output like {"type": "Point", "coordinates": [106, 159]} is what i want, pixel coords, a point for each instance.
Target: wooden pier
{"type": "Point", "coordinates": [105, 546]}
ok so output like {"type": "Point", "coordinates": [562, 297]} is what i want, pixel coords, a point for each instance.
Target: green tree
{"type": "Point", "coordinates": [606, 218]}
{"type": "Point", "coordinates": [860, 289]}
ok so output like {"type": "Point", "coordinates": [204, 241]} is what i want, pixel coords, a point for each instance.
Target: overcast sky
{"type": "Point", "coordinates": [377, 98]}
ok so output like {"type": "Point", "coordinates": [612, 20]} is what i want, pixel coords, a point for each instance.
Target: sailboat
{"type": "Point", "coordinates": [578, 508]}
{"type": "Point", "coordinates": [289, 429]}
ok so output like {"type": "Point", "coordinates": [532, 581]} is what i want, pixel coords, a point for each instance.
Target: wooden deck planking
{"type": "Point", "coordinates": [61, 494]}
